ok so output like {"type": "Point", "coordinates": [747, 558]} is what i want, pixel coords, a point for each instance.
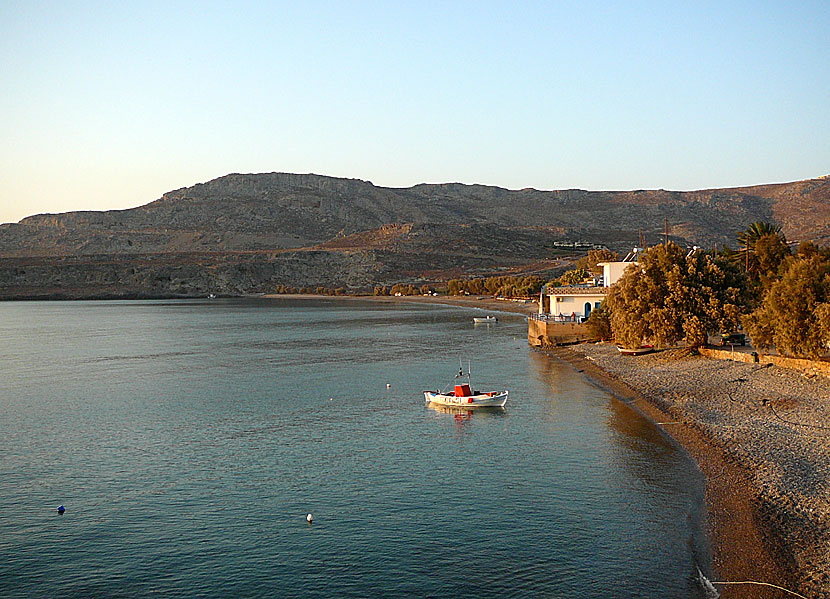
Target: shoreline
{"type": "Point", "coordinates": [486, 303]}
{"type": "Point", "coordinates": [764, 522]}
{"type": "Point", "coordinates": [737, 543]}
{"type": "Point", "coordinates": [745, 526]}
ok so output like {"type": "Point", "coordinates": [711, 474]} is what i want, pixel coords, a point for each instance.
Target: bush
{"type": "Point", "coordinates": [599, 324]}
{"type": "Point", "coordinates": [575, 276]}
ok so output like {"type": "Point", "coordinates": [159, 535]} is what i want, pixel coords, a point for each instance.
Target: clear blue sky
{"type": "Point", "coordinates": [108, 105]}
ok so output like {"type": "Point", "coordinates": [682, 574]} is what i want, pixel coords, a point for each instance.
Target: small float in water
{"type": "Point", "coordinates": [463, 394]}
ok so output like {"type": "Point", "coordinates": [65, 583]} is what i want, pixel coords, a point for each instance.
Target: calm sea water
{"type": "Point", "coordinates": [189, 439]}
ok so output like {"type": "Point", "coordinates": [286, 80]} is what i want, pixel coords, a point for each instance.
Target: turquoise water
{"type": "Point", "coordinates": [189, 439]}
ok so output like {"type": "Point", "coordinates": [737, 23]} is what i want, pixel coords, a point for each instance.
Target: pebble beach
{"type": "Point", "coordinates": [761, 435]}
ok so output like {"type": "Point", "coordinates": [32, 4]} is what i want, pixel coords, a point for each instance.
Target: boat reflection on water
{"type": "Point", "coordinates": [462, 414]}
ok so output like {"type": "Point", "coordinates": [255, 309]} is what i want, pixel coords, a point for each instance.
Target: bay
{"type": "Point", "coordinates": [189, 439]}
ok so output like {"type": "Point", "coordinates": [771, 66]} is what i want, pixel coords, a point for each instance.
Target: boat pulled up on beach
{"type": "Point", "coordinates": [463, 394]}
{"type": "Point", "coordinates": [639, 351]}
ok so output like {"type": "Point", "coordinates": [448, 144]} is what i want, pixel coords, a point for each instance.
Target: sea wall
{"type": "Point", "coordinates": [546, 333]}
{"type": "Point", "coordinates": [808, 366]}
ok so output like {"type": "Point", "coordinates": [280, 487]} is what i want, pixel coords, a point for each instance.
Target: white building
{"type": "Point", "coordinates": [575, 302]}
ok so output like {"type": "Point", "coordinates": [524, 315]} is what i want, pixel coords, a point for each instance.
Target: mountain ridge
{"type": "Point", "coordinates": [412, 233]}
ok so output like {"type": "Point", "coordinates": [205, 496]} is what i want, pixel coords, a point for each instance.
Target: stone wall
{"type": "Point", "coordinates": [541, 333]}
{"type": "Point", "coordinates": [811, 366]}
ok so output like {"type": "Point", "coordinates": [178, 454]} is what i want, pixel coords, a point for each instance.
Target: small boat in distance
{"type": "Point", "coordinates": [488, 318]}
{"type": "Point", "coordinates": [464, 395]}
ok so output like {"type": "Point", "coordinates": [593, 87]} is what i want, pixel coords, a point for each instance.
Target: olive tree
{"type": "Point", "coordinates": [599, 324]}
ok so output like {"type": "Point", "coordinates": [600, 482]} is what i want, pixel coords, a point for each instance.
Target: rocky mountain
{"type": "Point", "coordinates": [249, 233]}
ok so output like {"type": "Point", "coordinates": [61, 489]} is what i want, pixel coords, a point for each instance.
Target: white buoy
{"type": "Point", "coordinates": [309, 519]}
{"type": "Point", "coordinates": [331, 399]}
{"type": "Point", "coordinates": [388, 385]}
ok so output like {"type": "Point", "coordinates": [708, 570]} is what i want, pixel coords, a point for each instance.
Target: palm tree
{"type": "Point", "coordinates": [750, 236]}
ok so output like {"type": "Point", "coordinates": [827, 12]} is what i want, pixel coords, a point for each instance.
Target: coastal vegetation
{"type": "Point", "coordinates": [781, 299]}
{"type": "Point", "coordinates": [586, 267]}
{"type": "Point", "coordinates": [505, 286]}
{"type": "Point", "coordinates": [599, 324]}
{"type": "Point", "coordinates": [673, 295]}
{"type": "Point", "coordinates": [794, 314]}
{"type": "Point", "coordinates": [573, 277]}
{"type": "Point", "coordinates": [591, 261]}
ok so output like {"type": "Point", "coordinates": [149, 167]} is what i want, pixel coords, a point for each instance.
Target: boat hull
{"type": "Point", "coordinates": [496, 399]}
{"type": "Point", "coordinates": [640, 351]}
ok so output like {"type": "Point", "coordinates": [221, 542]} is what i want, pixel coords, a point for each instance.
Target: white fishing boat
{"type": "Point", "coordinates": [482, 319]}
{"type": "Point", "coordinates": [639, 351]}
{"type": "Point", "coordinates": [464, 395]}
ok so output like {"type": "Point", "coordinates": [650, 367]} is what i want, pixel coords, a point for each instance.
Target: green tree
{"type": "Point", "coordinates": [574, 277]}
{"type": "Point", "coordinates": [748, 240]}
{"type": "Point", "coordinates": [476, 286]}
{"type": "Point", "coordinates": [770, 252]}
{"type": "Point", "coordinates": [594, 257]}
{"type": "Point", "coordinates": [492, 284]}
{"type": "Point", "coordinates": [794, 316]}
{"type": "Point", "coordinates": [672, 296]}
{"type": "Point", "coordinates": [599, 323]}
{"type": "Point", "coordinates": [754, 232]}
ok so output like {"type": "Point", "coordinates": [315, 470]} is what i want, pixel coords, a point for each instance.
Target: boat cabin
{"type": "Point", "coordinates": [463, 390]}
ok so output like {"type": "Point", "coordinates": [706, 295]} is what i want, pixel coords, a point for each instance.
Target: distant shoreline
{"type": "Point", "coordinates": [464, 301]}
{"type": "Point", "coordinates": [486, 303]}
